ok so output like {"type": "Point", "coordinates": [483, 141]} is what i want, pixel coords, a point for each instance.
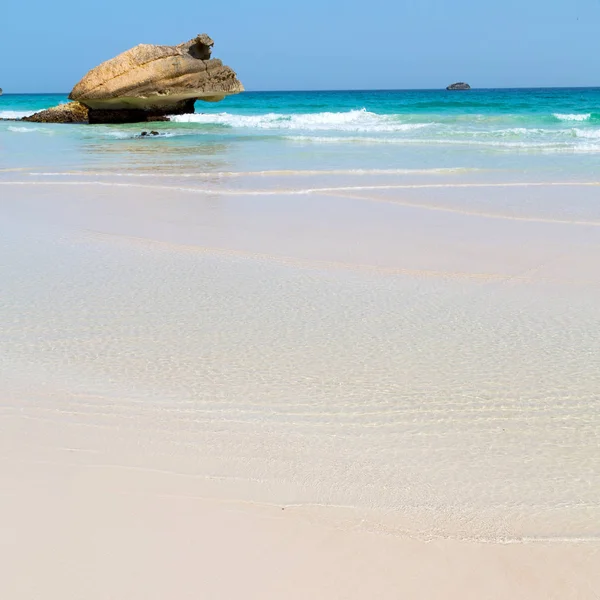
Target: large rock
{"type": "Point", "coordinates": [461, 85]}
{"type": "Point", "coordinates": [151, 81]}
{"type": "Point", "coordinates": [72, 112]}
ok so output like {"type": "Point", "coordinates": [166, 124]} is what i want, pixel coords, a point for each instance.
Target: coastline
{"type": "Point", "coordinates": [232, 373]}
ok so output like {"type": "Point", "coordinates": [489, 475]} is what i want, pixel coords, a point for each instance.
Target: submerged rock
{"type": "Point", "coordinates": [148, 82]}
{"type": "Point", "coordinates": [72, 112]}
{"type": "Point", "coordinates": [460, 85]}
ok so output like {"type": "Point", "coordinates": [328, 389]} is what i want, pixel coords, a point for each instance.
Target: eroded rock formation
{"type": "Point", "coordinates": [148, 82]}
{"type": "Point", "coordinates": [72, 112]}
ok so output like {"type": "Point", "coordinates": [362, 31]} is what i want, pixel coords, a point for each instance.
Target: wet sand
{"type": "Point", "coordinates": [239, 388]}
{"type": "Point", "coordinates": [110, 532]}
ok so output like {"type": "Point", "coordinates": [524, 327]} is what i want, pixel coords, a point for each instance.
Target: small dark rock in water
{"type": "Point", "coordinates": [143, 134]}
{"type": "Point", "coordinates": [461, 85]}
{"type": "Point", "coordinates": [154, 133]}
{"type": "Point", "coordinates": [148, 133]}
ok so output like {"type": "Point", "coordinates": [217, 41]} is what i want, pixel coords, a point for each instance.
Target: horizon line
{"type": "Point", "coordinates": [292, 91]}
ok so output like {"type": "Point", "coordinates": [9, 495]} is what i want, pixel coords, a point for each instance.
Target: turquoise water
{"type": "Point", "coordinates": [545, 133]}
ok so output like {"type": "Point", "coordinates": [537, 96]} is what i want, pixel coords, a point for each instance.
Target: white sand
{"type": "Point", "coordinates": [417, 388]}
{"type": "Point", "coordinates": [102, 533]}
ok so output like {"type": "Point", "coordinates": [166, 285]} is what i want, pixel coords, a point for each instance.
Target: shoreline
{"type": "Point", "coordinates": [233, 366]}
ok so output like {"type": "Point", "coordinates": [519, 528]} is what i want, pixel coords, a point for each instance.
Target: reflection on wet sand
{"type": "Point", "coordinates": [158, 155]}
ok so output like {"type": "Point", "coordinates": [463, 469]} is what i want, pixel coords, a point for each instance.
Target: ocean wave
{"type": "Point", "coordinates": [558, 135]}
{"type": "Point", "coordinates": [23, 129]}
{"type": "Point", "coordinates": [593, 134]}
{"type": "Point", "coordinates": [362, 121]}
{"type": "Point", "coordinates": [15, 114]}
{"type": "Point", "coordinates": [510, 132]}
{"type": "Point", "coordinates": [388, 140]}
{"type": "Point", "coordinates": [573, 117]}
{"type": "Point", "coordinates": [352, 121]}
{"type": "Point", "coordinates": [549, 146]}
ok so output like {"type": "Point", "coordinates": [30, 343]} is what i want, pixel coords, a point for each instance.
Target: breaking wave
{"type": "Point", "coordinates": [498, 133]}
{"type": "Point", "coordinates": [15, 114]}
{"type": "Point", "coordinates": [549, 146]}
{"type": "Point", "coordinates": [593, 134]}
{"type": "Point", "coordinates": [538, 131]}
{"type": "Point", "coordinates": [23, 129]}
{"type": "Point", "coordinates": [573, 117]}
{"type": "Point", "coordinates": [353, 121]}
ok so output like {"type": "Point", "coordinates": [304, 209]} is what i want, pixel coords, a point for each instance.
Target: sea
{"type": "Point", "coordinates": [547, 133]}
{"type": "Point", "coordinates": [382, 304]}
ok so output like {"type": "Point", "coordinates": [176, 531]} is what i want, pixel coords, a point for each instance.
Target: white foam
{"type": "Point", "coordinates": [425, 141]}
{"type": "Point", "coordinates": [15, 114]}
{"type": "Point", "coordinates": [593, 134]}
{"type": "Point", "coordinates": [271, 173]}
{"type": "Point", "coordinates": [23, 129]}
{"type": "Point", "coordinates": [353, 120]}
{"type": "Point", "coordinates": [573, 117]}
{"type": "Point", "coordinates": [519, 131]}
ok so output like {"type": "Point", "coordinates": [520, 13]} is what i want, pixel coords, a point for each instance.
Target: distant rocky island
{"type": "Point", "coordinates": [147, 83]}
{"type": "Point", "coordinates": [460, 85]}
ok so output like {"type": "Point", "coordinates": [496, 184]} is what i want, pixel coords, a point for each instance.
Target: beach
{"type": "Point", "coordinates": [303, 356]}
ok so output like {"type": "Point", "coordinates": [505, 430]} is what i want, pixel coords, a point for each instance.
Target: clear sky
{"type": "Point", "coordinates": [315, 44]}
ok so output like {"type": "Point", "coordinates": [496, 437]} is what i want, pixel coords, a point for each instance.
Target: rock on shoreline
{"type": "Point", "coordinates": [147, 83]}
{"type": "Point", "coordinates": [460, 85]}
{"type": "Point", "coordinates": [154, 81]}
{"type": "Point", "coordinates": [72, 112]}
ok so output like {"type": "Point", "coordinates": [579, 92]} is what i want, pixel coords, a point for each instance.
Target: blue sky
{"type": "Point", "coordinates": [316, 44]}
